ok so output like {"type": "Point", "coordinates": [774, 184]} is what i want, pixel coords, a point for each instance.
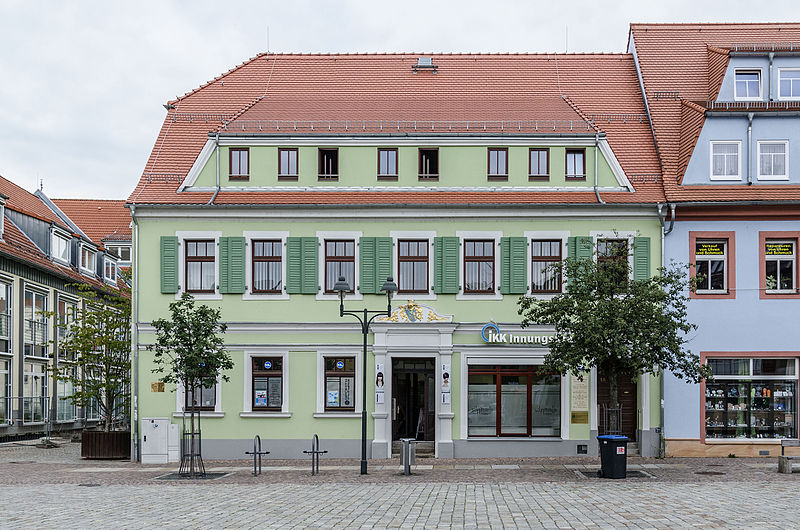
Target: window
{"type": "Point", "coordinates": [287, 164]}
{"type": "Point", "coordinates": [497, 161]}
{"type": "Point", "coordinates": [267, 383]}
{"type": "Point", "coordinates": [5, 318]}
{"type": "Point", "coordinates": [546, 272]}
{"type": "Point", "coordinates": [387, 164]}
{"type": "Point", "coordinates": [412, 265]}
{"type": "Point", "coordinates": [751, 398]}
{"type": "Point", "coordinates": [789, 84]}
{"type": "Point", "coordinates": [479, 266]}
{"type": "Point", "coordinates": [67, 313]}
{"type": "Point", "coordinates": [711, 264]}
{"type": "Point", "coordinates": [88, 259]}
{"type": "Point", "coordinates": [205, 398]}
{"type": "Point", "coordinates": [36, 336]}
{"type": "Point", "coordinates": [267, 266]}
{"type": "Point", "coordinates": [60, 250]}
{"type": "Point", "coordinates": [65, 408]}
{"type": "Point", "coordinates": [5, 390]}
{"type": "Point", "coordinates": [111, 271]}
{"type": "Point", "coordinates": [513, 401]}
{"type": "Point", "coordinates": [239, 163]}
{"type": "Point", "coordinates": [340, 380]}
{"type": "Point", "coordinates": [725, 160]}
{"type": "Point", "coordinates": [328, 164]}
{"type": "Point", "coordinates": [780, 265]}
{"type": "Point", "coordinates": [576, 164]}
{"type": "Point", "coordinates": [200, 274]}
{"type": "Point", "coordinates": [772, 160]}
{"type": "Point", "coordinates": [539, 164]}
{"type": "Point", "coordinates": [613, 254]}
{"type": "Point", "coordinates": [428, 164]}
{"type": "Point", "coordinates": [34, 384]}
{"type": "Point", "coordinates": [123, 252]}
{"type": "Point", "coordinates": [748, 84]}
{"type": "Point", "coordinates": [340, 260]}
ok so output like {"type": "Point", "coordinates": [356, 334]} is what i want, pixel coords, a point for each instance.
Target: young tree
{"type": "Point", "coordinates": [93, 353]}
{"type": "Point", "coordinates": [190, 351]}
{"type": "Point", "coordinates": [620, 325]}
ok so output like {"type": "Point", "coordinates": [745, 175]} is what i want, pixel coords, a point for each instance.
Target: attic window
{"type": "Point", "coordinates": [88, 259]}
{"type": "Point", "coordinates": [748, 84]}
{"type": "Point", "coordinates": [60, 248]}
{"type": "Point", "coordinates": [425, 63]}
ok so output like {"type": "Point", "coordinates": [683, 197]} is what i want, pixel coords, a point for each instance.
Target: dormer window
{"type": "Point", "coordinates": [789, 83]}
{"type": "Point", "coordinates": [60, 248]}
{"type": "Point", "coordinates": [123, 252]}
{"type": "Point", "coordinates": [747, 85]}
{"type": "Point", "coordinates": [88, 257]}
{"type": "Point", "coordinates": [239, 163]}
{"type": "Point", "coordinates": [111, 271]}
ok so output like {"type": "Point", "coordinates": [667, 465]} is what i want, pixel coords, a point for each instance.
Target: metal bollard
{"type": "Point", "coordinates": [409, 454]}
{"type": "Point", "coordinates": [256, 452]}
{"type": "Point", "coordinates": [315, 452]}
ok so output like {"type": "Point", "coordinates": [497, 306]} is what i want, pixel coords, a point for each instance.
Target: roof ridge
{"type": "Point", "coordinates": [214, 80]}
{"type": "Point", "coordinates": [714, 24]}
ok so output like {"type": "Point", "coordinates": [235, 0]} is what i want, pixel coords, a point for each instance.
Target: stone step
{"type": "Point", "coordinates": [424, 449]}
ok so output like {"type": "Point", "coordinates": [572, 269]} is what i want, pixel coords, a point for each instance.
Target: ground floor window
{"type": "Point", "coordinates": [340, 379]}
{"type": "Point", "coordinates": [751, 398]}
{"type": "Point", "coordinates": [5, 390]}
{"type": "Point", "coordinates": [205, 397]}
{"type": "Point", "coordinates": [512, 400]}
{"type": "Point", "coordinates": [65, 408]}
{"type": "Point", "coordinates": [267, 383]}
{"type": "Point", "coordinates": [34, 392]}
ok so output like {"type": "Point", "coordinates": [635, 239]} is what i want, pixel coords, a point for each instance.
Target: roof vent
{"type": "Point", "coordinates": [425, 63]}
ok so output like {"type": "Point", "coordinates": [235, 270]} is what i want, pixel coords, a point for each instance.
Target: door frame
{"type": "Point", "coordinates": [425, 373]}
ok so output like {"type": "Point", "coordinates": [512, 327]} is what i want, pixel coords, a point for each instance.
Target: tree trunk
{"type": "Point", "coordinates": [613, 390]}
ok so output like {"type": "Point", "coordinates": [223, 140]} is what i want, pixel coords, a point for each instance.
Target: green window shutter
{"type": "Point", "coordinates": [310, 256]}
{"type": "Point", "coordinates": [366, 264]}
{"type": "Point", "coordinates": [231, 265]}
{"type": "Point", "coordinates": [445, 265]}
{"type": "Point", "coordinates": [169, 264]}
{"type": "Point", "coordinates": [301, 265]}
{"type": "Point", "coordinates": [383, 261]}
{"type": "Point", "coordinates": [513, 265]}
{"type": "Point", "coordinates": [584, 245]}
{"type": "Point", "coordinates": [641, 258]}
{"type": "Point", "coordinates": [572, 245]}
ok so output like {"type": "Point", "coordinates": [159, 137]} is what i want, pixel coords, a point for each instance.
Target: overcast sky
{"type": "Point", "coordinates": [82, 83]}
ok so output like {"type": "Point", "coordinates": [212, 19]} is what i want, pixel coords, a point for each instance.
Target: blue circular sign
{"type": "Point", "coordinates": [267, 365]}
{"type": "Point", "coordinates": [490, 326]}
{"type": "Point", "coordinates": [339, 364]}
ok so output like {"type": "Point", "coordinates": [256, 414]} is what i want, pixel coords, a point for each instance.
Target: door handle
{"type": "Point", "coordinates": [394, 409]}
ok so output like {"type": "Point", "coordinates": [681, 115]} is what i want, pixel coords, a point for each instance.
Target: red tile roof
{"type": "Point", "coordinates": [545, 90]}
{"type": "Point", "coordinates": [100, 220]}
{"type": "Point", "coordinates": [685, 63]}
{"type": "Point", "coordinates": [26, 202]}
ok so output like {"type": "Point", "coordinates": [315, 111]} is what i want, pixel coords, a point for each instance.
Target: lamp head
{"type": "Point", "coordinates": [341, 286]}
{"type": "Point", "coordinates": [389, 287]}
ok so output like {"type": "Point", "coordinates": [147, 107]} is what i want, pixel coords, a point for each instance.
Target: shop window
{"type": "Point", "coordinates": [751, 398]}
{"type": "Point", "coordinates": [711, 266]}
{"type": "Point", "coordinates": [546, 274]}
{"type": "Point", "coordinates": [65, 408]}
{"type": "Point", "coordinates": [387, 164]}
{"type": "Point", "coordinates": [267, 266]}
{"type": "Point", "coordinates": [340, 379]}
{"type": "Point", "coordinates": [479, 266]}
{"type": "Point", "coordinates": [340, 260]}
{"type": "Point", "coordinates": [513, 400]}
{"type": "Point", "coordinates": [780, 259]}
{"type": "Point", "coordinates": [412, 265]}
{"type": "Point", "coordinates": [205, 398]}
{"type": "Point", "coordinates": [200, 274]}
{"type": "Point", "coordinates": [267, 383]}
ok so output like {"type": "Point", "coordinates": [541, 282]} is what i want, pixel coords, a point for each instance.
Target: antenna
{"type": "Point", "coordinates": [566, 38]}
{"type": "Point", "coordinates": [267, 38]}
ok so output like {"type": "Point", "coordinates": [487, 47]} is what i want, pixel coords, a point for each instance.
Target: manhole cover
{"type": "Point", "coordinates": [632, 473]}
{"type": "Point", "coordinates": [89, 485]}
{"type": "Point", "coordinates": [23, 462]}
{"type": "Point", "coordinates": [709, 473]}
{"type": "Point", "coordinates": [177, 476]}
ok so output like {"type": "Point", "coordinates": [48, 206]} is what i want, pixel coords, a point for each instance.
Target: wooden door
{"type": "Point", "coordinates": [626, 395]}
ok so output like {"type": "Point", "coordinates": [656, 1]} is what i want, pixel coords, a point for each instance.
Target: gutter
{"type": "Point", "coordinates": [672, 208]}
{"type": "Point", "coordinates": [596, 191]}
{"type": "Point", "coordinates": [216, 141]}
{"type": "Point", "coordinates": [135, 457]}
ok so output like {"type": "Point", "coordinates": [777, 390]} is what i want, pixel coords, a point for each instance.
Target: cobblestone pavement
{"type": "Point", "coordinates": [53, 487]}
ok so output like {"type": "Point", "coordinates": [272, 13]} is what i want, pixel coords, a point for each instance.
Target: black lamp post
{"type": "Point", "coordinates": [342, 287]}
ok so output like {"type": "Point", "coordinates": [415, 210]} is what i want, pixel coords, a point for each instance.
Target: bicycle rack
{"type": "Point", "coordinates": [315, 452]}
{"type": "Point", "coordinates": [256, 452]}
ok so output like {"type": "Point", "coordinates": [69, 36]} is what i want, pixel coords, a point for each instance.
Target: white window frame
{"type": "Point", "coordinates": [180, 400]}
{"type": "Point", "coordinates": [91, 253]}
{"type": "Point", "coordinates": [115, 248]}
{"type": "Point", "coordinates": [725, 242]}
{"type": "Point", "coordinates": [7, 390]}
{"type": "Point", "coordinates": [8, 282]}
{"type": "Point", "coordinates": [354, 236]}
{"type": "Point", "coordinates": [59, 395]}
{"type": "Point", "coordinates": [620, 234]}
{"type": "Point", "coordinates": [768, 258]}
{"type": "Point", "coordinates": [760, 96]}
{"type": "Point", "coordinates": [36, 290]}
{"type": "Point", "coordinates": [786, 98]}
{"type": "Point", "coordinates": [785, 176]}
{"type": "Point", "coordinates": [247, 407]}
{"type": "Point", "coordinates": [183, 236]}
{"type": "Point", "coordinates": [338, 352]}
{"type": "Point", "coordinates": [114, 267]}
{"type": "Point", "coordinates": [413, 234]}
{"type": "Point", "coordinates": [738, 175]}
{"type": "Point", "coordinates": [563, 235]}
{"type": "Point", "coordinates": [254, 235]}
{"type": "Point", "coordinates": [67, 240]}
{"type": "Point", "coordinates": [472, 235]}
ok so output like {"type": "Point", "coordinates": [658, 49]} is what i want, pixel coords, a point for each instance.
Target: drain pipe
{"type": "Point", "coordinates": [664, 234]}
{"type": "Point", "coordinates": [135, 456]}
{"type": "Point", "coordinates": [749, 148]}
{"type": "Point", "coordinates": [771, 74]}
{"type": "Point", "coordinates": [216, 142]}
{"type": "Point", "coordinates": [596, 191]}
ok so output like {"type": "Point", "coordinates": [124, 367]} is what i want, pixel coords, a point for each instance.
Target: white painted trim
{"type": "Point", "coordinates": [530, 235]}
{"type": "Point", "coordinates": [469, 234]}
{"type": "Point", "coordinates": [785, 176]}
{"type": "Point", "coordinates": [616, 167]}
{"type": "Point", "coordinates": [249, 236]}
{"type": "Point", "coordinates": [84, 270]}
{"type": "Point", "coordinates": [182, 236]}
{"type": "Point", "coordinates": [780, 71]}
{"type": "Point", "coordinates": [711, 175]}
{"type": "Point", "coordinates": [68, 240]}
{"type": "Point", "coordinates": [180, 396]}
{"type": "Point", "coordinates": [593, 406]}
{"type": "Point", "coordinates": [322, 235]}
{"type": "Point", "coordinates": [199, 163]}
{"type": "Point", "coordinates": [413, 234]}
{"type": "Point", "coordinates": [247, 406]}
{"type": "Point", "coordinates": [265, 414]}
{"type": "Point", "coordinates": [760, 97]}
{"type": "Point", "coordinates": [645, 389]}
{"type": "Point", "coordinates": [339, 189]}
{"type": "Point", "coordinates": [404, 140]}
{"type": "Point", "coordinates": [320, 411]}
{"type": "Point", "coordinates": [202, 413]}
{"type": "Point", "coordinates": [629, 235]}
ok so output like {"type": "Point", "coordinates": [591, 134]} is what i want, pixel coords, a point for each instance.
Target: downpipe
{"type": "Point", "coordinates": [135, 453]}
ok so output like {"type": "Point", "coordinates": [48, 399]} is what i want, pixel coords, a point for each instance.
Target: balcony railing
{"type": "Point", "coordinates": [36, 337]}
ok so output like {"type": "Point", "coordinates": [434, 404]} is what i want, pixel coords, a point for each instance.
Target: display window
{"type": "Point", "coordinates": [267, 383]}
{"type": "Point", "coordinates": [340, 383]}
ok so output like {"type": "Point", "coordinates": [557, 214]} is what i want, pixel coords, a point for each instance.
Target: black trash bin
{"type": "Point", "coordinates": [613, 455]}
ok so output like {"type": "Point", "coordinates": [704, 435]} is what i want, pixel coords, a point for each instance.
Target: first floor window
{"type": "Point", "coordinates": [340, 260]}
{"type": "Point", "coordinates": [34, 388]}
{"type": "Point", "coordinates": [772, 160]}
{"type": "Point", "coordinates": [387, 163]}
{"type": "Point", "coordinates": [65, 408]}
{"type": "Point", "coordinates": [546, 275]}
{"type": "Point", "coordinates": [287, 164]}
{"type": "Point", "coordinates": [340, 380]}
{"type": "Point", "coordinates": [200, 259]}
{"type": "Point", "coordinates": [512, 400]}
{"type": "Point", "coordinates": [205, 398]}
{"type": "Point", "coordinates": [751, 398]}
{"type": "Point", "coordinates": [780, 265]}
{"type": "Point", "coordinates": [5, 318]}
{"type": "Point", "coordinates": [267, 383]}
{"type": "Point", "coordinates": [412, 264]}
{"type": "Point", "coordinates": [576, 164]}
{"type": "Point", "coordinates": [36, 335]}
{"type": "Point", "coordinates": [612, 255]}
{"type": "Point", "coordinates": [267, 266]}
{"type": "Point", "coordinates": [725, 160]}
{"type": "Point", "coordinates": [5, 390]}
{"type": "Point", "coordinates": [93, 410]}
{"type": "Point", "coordinates": [539, 164]}
{"type": "Point", "coordinates": [479, 266]}
{"type": "Point", "coordinates": [498, 163]}
{"type": "Point", "coordinates": [711, 263]}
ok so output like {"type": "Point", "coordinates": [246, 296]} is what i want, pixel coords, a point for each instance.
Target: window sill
{"type": "Point", "coordinates": [289, 178]}
{"type": "Point", "coordinates": [408, 297]}
{"type": "Point", "coordinates": [337, 414]}
{"type": "Point", "coordinates": [773, 178]}
{"type": "Point", "coordinates": [476, 296]}
{"type": "Point", "coordinates": [723, 178]}
{"type": "Point", "coordinates": [265, 414]}
{"type": "Point", "coordinates": [6, 354]}
{"type": "Point", "coordinates": [239, 178]}
{"type": "Point", "coordinates": [503, 178]}
{"type": "Point", "coordinates": [390, 178]}
{"type": "Point", "coordinates": [265, 296]}
{"type": "Point", "coordinates": [203, 414]}
{"type": "Point", "coordinates": [429, 177]}
{"type": "Point", "coordinates": [575, 179]}
{"type": "Point", "coordinates": [327, 177]}
{"type": "Point", "coordinates": [538, 178]}
{"type": "Point", "coordinates": [36, 357]}
{"type": "Point", "coordinates": [33, 423]}
{"type": "Point", "coordinates": [712, 293]}
{"type": "Point", "coordinates": [73, 420]}
{"type": "Point", "coordinates": [200, 296]}
{"type": "Point", "coordinates": [777, 292]}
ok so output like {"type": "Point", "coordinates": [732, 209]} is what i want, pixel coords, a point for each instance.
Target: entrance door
{"type": "Point", "coordinates": [626, 395]}
{"type": "Point", "coordinates": [413, 399]}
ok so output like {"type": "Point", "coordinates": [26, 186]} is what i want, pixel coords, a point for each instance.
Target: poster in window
{"type": "Point", "coordinates": [274, 392]}
{"type": "Point", "coordinates": [445, 379]}
{"type": "Point", "coordinates": [347, 392]}
{"type": "Point", "coordinates": [779, 249]}
{"type": "Point", "coordinates": [332, 392]}
{"type": "Point", "coordinates": [261, 398]}
{"type": "Point", "coordinates": [333, 398]}
{"type": "Point", "coordinates": [710, 249]}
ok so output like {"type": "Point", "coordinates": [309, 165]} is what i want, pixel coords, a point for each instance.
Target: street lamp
{"type": "Point", "coordinates": [342, 287]}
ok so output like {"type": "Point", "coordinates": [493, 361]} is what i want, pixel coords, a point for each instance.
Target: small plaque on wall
{"type": "Point", "coordinates": [580, 417]}
{"type": "Point", "coordinates": [158, 386]}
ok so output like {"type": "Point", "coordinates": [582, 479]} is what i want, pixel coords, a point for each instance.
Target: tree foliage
{"type": "Point", "coordinates": [606, 319]}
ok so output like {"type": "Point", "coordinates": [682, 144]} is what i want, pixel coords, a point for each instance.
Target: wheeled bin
{"type": "Point", "coordinates": [613, 455]}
